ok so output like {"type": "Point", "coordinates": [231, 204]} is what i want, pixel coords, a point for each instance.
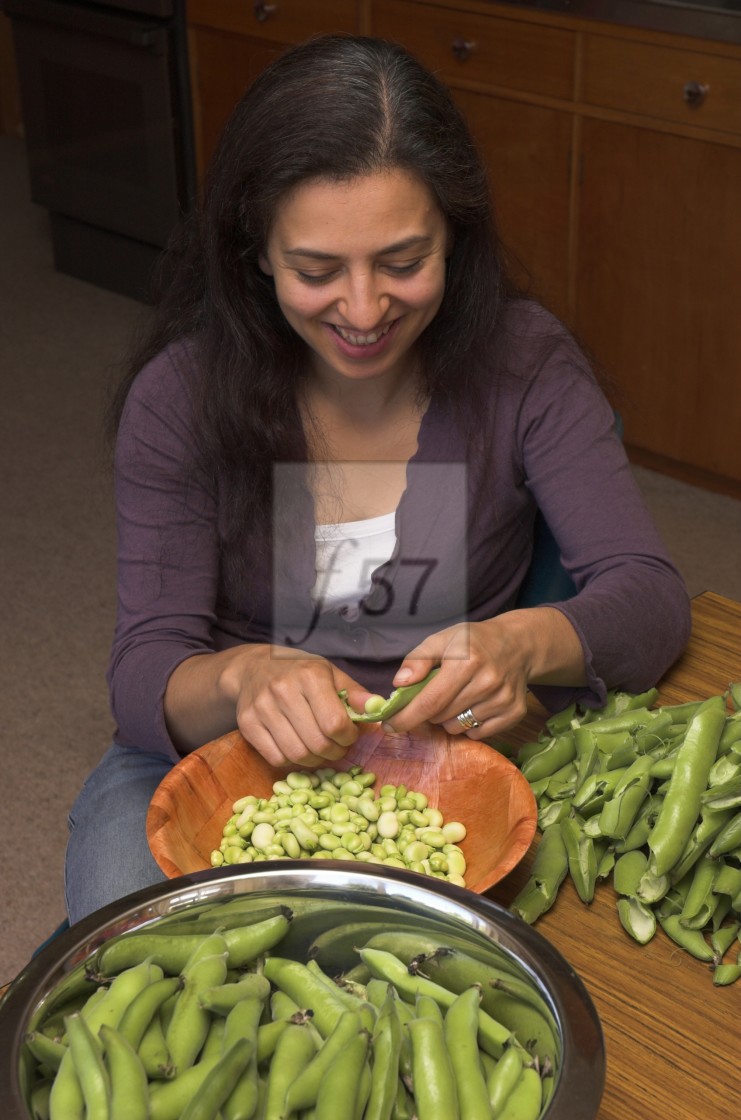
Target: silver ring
{"type": "Point", "coordinates": [468, 720]}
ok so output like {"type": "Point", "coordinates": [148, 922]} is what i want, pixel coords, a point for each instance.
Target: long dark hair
{"type": "Point", "coordinates": [334, 107]}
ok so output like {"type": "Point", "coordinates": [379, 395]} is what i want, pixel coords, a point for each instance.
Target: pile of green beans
{"type": "Point", "coordinates": [652, 797]}
{"type": "Point", "coordinates": [329, 814]}
{"type": "Point", "coordinates": [208, 1016]}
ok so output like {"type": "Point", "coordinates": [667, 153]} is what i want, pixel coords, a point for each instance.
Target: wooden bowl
{"type": "Point", "coordinates": [468, 781]}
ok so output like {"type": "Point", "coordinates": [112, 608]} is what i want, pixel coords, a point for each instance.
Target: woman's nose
{"type": "Point", "coordinates": [364, 302]}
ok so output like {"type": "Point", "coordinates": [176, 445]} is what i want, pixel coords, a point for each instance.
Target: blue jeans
{"type": "Point", "coordinates": [107, 852]}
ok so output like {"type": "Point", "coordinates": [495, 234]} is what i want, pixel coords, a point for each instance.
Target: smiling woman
{"type": "Point", "coordinates": [330, 452]}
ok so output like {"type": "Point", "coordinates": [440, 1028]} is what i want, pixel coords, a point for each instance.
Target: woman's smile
{"type": "Point", "coordinates": [359, 270]}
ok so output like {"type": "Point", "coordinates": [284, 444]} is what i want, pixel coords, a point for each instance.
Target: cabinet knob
{"type": "Point", "coordinates": [264, 11]}
{"type": "Point", "coordinates": [694, 93]}
{"type": "Point", "coordinates": [462, 48]}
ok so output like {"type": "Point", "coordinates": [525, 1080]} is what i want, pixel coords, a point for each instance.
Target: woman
{"type": "Point", "coordinates": [330, 453]}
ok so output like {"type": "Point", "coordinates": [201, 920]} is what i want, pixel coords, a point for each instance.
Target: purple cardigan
{"type": "Point", "coordinates": [464, 538]}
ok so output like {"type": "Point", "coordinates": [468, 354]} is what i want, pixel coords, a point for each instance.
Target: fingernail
{"type": "Point", "coordinates": [402, 676]}
{"type": "Point", "coordinates": [388, 729]}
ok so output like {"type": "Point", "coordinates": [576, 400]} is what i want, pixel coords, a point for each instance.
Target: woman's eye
{"type": "Point", "coordinates": [404, 269]}
{"type": "Point", "coordinates": [316, 277]}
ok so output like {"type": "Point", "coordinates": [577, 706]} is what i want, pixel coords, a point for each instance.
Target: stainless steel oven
{"type": "Point", "coordinates": [107, 122]}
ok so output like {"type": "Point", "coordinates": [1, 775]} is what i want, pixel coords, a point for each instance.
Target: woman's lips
{"type": "Point", "coordinates": [357, 344]}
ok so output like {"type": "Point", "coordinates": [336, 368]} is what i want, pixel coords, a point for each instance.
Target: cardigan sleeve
{"type": "Point", "coordinates": [166, 521]}
{"type": "Point", "coordinates": [631, 610]}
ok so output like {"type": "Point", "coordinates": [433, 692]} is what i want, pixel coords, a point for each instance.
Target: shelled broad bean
{"type": "Point", "coordinates": [200, 1016]}
{"type": "Point", "coordinates": [329, 814]}
{"type": "Point", "coordinates": [652, 797]}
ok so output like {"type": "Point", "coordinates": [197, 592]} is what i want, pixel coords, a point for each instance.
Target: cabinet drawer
{"type": "Point", "coordinates": [282, 21]}
{"type": "Point", "coordinates": [461, 45]}
{"type": "Point", "coordinates": [664, 82]}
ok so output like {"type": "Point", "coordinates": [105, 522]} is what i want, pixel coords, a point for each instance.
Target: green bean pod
{"type": "Point", "coordinates": [188, 1027]}
{"type": "Point", "coordinates": [699, 905]}
{"type": "Point", "coordinates": [682, 800]}
{"type": "Point", "coordinates": [47, 1051]}
{"type": "Point", "coordinates": [526, 1099]}
{"type": "Point", "coordinates": [219, 1082]}
{"type": "Point", "coordinates": [296, 981]}
{"type": "Point", "coordinates": [637, 919]}
{"type": "Point", "coordinates": [293, 1053]}
{"type": "Point", "coordinates": [619, 813]}
{"type": "Point", "coordinates": [129, 950]}
{"type": "Point", "coordinates": [303, 1092]}
{"type": "Point", "coordinates": [242, 1022]}
{"type": "Point", "coordinates": [503, 1078]}
{"type": "Point", "coordinates": [727, 839]}
{"type": "Point", "coordinates": [169, 1099]}
{"type": "Point", "coordinates": [493, 1036]}
{"type": "Point", "coordinates": [340, 1088]}
{"type": "Point", "coordinates": [153, 1052]}
{"type": "Point", "coordinates": [721, 939]}
{"type": "Point", "coordinates": [246, 943]}
{"type": "Point", "coordinates": [691, 940]}
{"type": "Point", "coordinates": [128, 1079]}
{"type": "Point", "coordinates": [549, 869]}
{"type": "Point", "coordinates": [126, 986]}
{"type": "Point", "coordinates": [386, 1040]}
{"type": "Point", "coordinates": [66, 1101]}
{"type": "Point", "coordinates": [140, 1012]}
{"type": "Point", "coordinates": [87, 1055]}
{"type": "Point", "coordinates": [628, 872]}
{"type": "Point", "coordinates": [435, 1092]}
{"type": "Point", "coordinates": [582, 860]}
{"type": "Point", "coordinates": [554, 754]}
{"type": "Point", "coordinates": [223, 998]}
{"type": "Point", "coordinates": [461, 1039]}
{"type": "Point", "coordinates": [378, 709]}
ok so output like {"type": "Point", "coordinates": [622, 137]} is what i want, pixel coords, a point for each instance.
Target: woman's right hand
{"type": "Point", "coordinates": [287, 705]}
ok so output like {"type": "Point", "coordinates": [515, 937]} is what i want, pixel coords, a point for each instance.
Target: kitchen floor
{"type": "Point", "coordinates": [60, 344]}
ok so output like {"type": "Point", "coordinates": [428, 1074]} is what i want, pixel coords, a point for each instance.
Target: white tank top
{"type": "Point", "coordinates": [347, 554]}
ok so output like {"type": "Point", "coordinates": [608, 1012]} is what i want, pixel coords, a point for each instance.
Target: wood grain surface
{"type": "Point", "coordinates": [673, 1040]}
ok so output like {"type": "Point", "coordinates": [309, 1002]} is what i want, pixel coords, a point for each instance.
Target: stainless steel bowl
{"type": "Point", "coordinates": [485, 927]}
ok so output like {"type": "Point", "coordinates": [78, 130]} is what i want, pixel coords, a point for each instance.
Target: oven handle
{"type": "Point", "coordinates": [145, 33]}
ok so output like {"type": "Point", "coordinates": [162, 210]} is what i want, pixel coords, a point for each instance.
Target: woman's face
{"type": "Point", "coordinates": [359, 270]}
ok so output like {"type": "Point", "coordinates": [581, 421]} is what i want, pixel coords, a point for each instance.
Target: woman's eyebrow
{"type": "Point", "coordinates": [415, 241]}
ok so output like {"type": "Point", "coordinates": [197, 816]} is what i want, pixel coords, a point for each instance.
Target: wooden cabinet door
{"type": "Point", "coordinates": [659, 288]}
{"type": "Point", "coordinates": [222, 66]}
{"type": "Point", "coordinates": [527, 150]}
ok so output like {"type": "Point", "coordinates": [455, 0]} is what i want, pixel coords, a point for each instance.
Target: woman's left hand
{"type": "Point", "coordinates": [486, 668]}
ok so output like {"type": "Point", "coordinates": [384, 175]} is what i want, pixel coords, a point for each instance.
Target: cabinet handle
{"type": "Point", "coordinates": [694, 93]}
{"type": "Point", "coordinates": [462, 48]}
{"type": "Point", "coordinates": [264, 11]}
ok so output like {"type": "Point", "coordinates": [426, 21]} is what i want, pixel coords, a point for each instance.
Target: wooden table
{"type": "Point", "coordinates": [673, 1040]}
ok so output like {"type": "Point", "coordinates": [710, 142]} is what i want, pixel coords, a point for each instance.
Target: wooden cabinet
{"type": "Point", "coordinates": [231, 41]}
{"type": "Point", "coordinates": [657, 294]}
{"type": "Point", "coordinates": [614, 157]}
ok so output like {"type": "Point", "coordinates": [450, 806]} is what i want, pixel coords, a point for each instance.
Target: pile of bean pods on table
{"type": "Point", "coordinates": [331, 814]}
{"type": "Point", "coordinates": [652, 797]}
{"type": "Point", "coordinates": [236, 1009]}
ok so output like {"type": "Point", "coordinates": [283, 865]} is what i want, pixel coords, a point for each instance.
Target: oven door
{"type": "Point", "coordinates": [100, 90]}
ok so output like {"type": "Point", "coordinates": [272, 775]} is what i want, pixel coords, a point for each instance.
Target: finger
{"type": "Point", "coordinates": [278, 741]}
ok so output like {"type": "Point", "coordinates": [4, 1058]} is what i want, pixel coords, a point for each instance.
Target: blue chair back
{"type": "Point", "coordinates": [546, 580]}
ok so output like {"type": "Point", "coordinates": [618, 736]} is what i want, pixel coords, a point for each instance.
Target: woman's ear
{"type": "Point", "coordinates": [264, 264]}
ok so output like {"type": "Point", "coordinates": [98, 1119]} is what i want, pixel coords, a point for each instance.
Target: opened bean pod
{"type": "Point", "coordinates": [655, 794]}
